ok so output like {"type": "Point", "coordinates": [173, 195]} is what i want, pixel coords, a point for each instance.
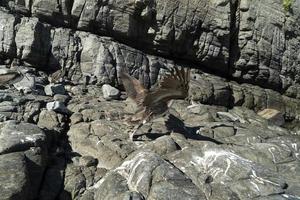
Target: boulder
{"type": "Point", "coordinates": [14, 176]}
{"type": "Point", "coordinates": [20, 137]}
{"type": "Point", "coordinates": [53, 89]}
{"type": "Point", "coordinates": [110, 92]}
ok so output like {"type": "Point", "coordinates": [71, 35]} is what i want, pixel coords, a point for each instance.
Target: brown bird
{"type": "Point", "coordinates": [57, 76]}
{"type": "Point", "coordinates": [155, 102]}
{"type": "Point", "coordinates": [10, 76]}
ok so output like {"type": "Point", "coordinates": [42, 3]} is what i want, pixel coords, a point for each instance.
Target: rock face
{"type": "Point", "coordinates": [14, 180]}
{"type": "Point", "coordinates": [247, 41]}
{"type": "Point", "coordinates": [63, 131]}
{"type": "Point", "coordinates": [23, 160]}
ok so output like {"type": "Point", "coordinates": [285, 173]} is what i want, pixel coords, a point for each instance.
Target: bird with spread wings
{"type": "Point", "coordinates": [154, 102]}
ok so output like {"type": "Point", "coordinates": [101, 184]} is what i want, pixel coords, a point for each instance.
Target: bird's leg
{"type": "Point", "coordinates": [135, 129]}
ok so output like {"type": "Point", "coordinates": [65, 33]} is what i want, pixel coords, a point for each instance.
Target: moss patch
{"type": "Point", "coordinates": [287, 4]}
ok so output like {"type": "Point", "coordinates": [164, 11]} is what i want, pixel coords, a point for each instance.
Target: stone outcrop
{"type": "Point", "coordinates": [249, 41]}
{"type": "Point", "coordinates": [63, 133]}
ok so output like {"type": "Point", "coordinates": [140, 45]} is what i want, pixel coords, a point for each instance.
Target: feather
{"type": "Point", "coordinates": [135, 90]}
{"type": "Point", "coordinates": [174, 85]}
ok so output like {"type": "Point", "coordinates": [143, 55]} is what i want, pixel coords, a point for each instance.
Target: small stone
{"type": "Point", "coordinates": [50, 120]}
{"type": "Point", "coordinates": [61, 98]}
{"type": "Point", "coordinates": [272, 115]}
{"type": "Point", "coordinates": [8, 106]}
{"type": "Point", "coordinates": [53, 89]}
{"type": "Point", "coordinates": [77, 90]}
{"type": "Point", "coordinates": [76, 118]}
{"type": "Point", "coordinates": [110, 92]}
{"type": "Point", "coordinates": [57, 106]}
{"type": "Point", "coordinates": [151, 31]}
{"type": "Point", "coordinates": [87, 161]}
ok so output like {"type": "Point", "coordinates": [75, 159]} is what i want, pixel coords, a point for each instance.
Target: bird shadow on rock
{"type": "Point", "coordinates": [174, 124]}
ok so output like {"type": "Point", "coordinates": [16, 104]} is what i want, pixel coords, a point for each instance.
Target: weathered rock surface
{"type": "Point", "coordinates": [110, 92]}
{"type": "Point", "coordinates": [13, 176]}
{"type": "Point", "coordinates": [24, 152]}
{"type": "Point", "coordinates": [227, 37]}
{"type": "Point", "coordinates": [196, 151]}
{"type": "Point", "coordinates": [20, 137]}
{"type": "Point", "coordinates": [228, 140]}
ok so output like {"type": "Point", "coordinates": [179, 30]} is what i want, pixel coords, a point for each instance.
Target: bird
{"type": "Point", "coordinates": [57, 76]}
{"type": "Point", "coordinates": [155, 102]}
{"type": "Point", "coordinates": [10, 76]}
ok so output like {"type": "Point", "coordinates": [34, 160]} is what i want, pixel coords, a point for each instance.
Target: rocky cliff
{"type": "Point", "coordinates": [62, 133]}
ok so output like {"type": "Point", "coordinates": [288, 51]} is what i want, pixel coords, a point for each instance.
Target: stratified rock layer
{"type": "Point", "coordinates": [68, 139]}
{"type": "Point", "coordinates": [249, 41]}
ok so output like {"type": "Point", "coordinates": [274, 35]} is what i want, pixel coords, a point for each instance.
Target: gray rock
{"type": "Point", "coordinates": [53, 180]}
{"type": "Point", "coordinates": [206, 152]}
{"type": "Point", "coordinates": [208, 89]}
{"type": "Point", "coordinates": [207, 38]}
{"type": "Point", "coordinates": [76, 118]}
{"type": "Point", "coordinates": [32, 111]}
{"type": "Point", "coordinates": [101, 139]}
{"type": "Point", "coordinates": [7, 33]}
{"type": "Point", "coordinates": [150, 176]}
{"type": "Point", "coordinates": [110, 92]}
{"type": "Point", "coordinates": [36, 161]}
{"type": "Point", "coordinates": [20, 137]}
{"type": "Point", "coordinates": [61, 98]}
{"type": "Point", "coordinates": [32, 41]}
{"type": "Point", "coordinates": [53, 9]}
{"type": "Point", "coordinates": [57, 106]}
{"type": "Point", "coordinates": [87, 161]}
{"type": "Point", "coordinates": [209, 166]}
{"type": "Point", "coordinates": [51, 120]}
{"type": "Point", "coordinates": [256, 63]}
{"type": "Point", "coordinates": [92, 108]}
{"type": "Point", "coordinates": [13, 176]}
{"type": "Point", "coordinates": [79, 181]}
{"type": "Point", "coordinates": [162, 145]}
{"type": "Point", "coordinates": [8, 106]}
{"type": "Point", "coordinates": [53, 89]}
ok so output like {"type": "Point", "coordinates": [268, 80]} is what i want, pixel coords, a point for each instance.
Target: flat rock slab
{"type": "Point", "coordinates": [213, 168]}
{"type": "Point", "coordinates": [102, 139]}
{"type": "Point", "coordinates": [13, 177]}
{"type": "Point", "coordinates": [20, 137]}
{"type": "Point", "coordinates": [145, 175]}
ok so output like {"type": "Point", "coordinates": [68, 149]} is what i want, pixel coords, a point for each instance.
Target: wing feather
{"type": "Point", "coordinates": [135, 90]}
{"type": "Point", "coordinates": [174, 85]}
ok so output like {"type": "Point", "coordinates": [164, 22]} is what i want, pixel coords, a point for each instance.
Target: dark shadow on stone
{"type": "Point", "coordinates": [36, 174]}
{"type": "Point", "coordinates": [53, 181]}
{"type": "Point", "coordinates": [65, 195]}
{"type": "Point", "coordinates": [176, 125]}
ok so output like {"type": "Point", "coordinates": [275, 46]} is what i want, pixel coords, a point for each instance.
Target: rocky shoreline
{"type": "Point", "coordinates": [62, 133]}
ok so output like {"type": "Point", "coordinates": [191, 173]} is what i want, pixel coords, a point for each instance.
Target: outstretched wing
{"type": "Point", "coordinates": [174, 85]}
{"type": "Point", "coordinates": [135, 90]}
